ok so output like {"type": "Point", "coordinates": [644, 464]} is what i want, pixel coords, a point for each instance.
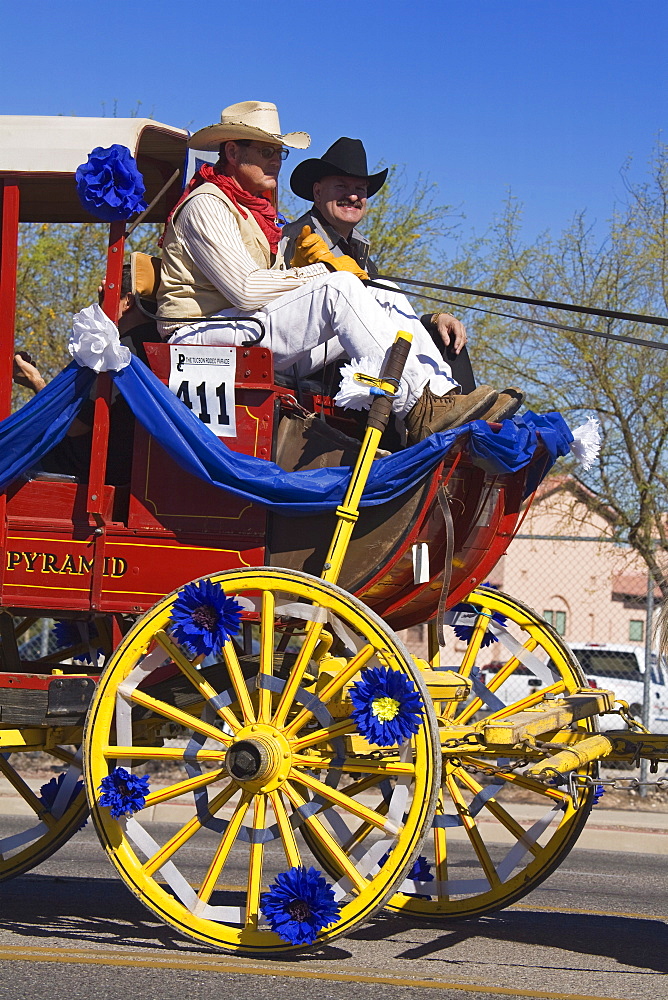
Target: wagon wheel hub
{"type": "Point", "coordinates": [259, 759]}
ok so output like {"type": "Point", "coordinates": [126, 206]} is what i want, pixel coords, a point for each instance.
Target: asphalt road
{"type": "Point", "coordinates": [597, 928]}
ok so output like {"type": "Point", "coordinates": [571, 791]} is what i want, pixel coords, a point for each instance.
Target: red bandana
{"type": "Point", "coordinates": [260, 208]}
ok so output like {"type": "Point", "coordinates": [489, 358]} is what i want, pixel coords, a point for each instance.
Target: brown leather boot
{"type": "Point", "coordinates": [438, 413]}
{"type": "Point", "coordinates": [508, 402]}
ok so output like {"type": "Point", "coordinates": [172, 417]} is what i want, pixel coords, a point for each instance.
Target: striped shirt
{"type": "Point", "coordinates": [208, 231]}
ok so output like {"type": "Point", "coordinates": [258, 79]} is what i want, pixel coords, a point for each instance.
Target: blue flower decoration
{"type": "Point", "coordinates": [464, 632]}
{"type": "Point", "coordinates": [420, 872]}
{"type": "Point", "coordinates": [299, 905]}
{"type": "Point", "coordinates": [387, 706]}
{"type": "Point", "coordinates": [203, 619]}
{"type": "Point", "coordinates": [67, 634]}
{"type": "Point", "coordinates": [123, 793]}
{"type": "Point", "coordinates": [49, 792]}
{"type": "Point", "coordinates": [109, 184]}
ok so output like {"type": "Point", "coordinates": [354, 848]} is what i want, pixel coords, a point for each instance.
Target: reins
{"type": "Point", "coordinates": [546, 303]}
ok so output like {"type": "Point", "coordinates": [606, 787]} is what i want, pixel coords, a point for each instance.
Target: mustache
{"type": "Point", "coordinates": [347, 203]}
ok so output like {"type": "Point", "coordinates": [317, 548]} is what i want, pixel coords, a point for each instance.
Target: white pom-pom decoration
{"type": "Point", "coordinates": [353, 395]}
{"type": "Point", "coordinates": [587, 443]}
{"type": "Point", "coordinates": [95, 342]}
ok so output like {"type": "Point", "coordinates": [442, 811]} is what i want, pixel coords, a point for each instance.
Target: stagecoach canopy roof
{"type": "Point", "coordinates": [42, 153]}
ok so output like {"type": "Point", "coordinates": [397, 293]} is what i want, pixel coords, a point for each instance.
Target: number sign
{"type": "Point", "coordinates": [203, 379]}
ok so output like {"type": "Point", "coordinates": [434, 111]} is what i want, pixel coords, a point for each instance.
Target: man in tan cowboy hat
{"type": "Point", "coordinates": [221, 259]}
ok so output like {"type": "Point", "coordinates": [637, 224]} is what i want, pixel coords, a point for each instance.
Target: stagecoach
{"type": "Point", "coordinates": [227, 619]}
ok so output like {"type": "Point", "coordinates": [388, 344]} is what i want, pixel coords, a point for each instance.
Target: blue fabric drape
{"type": "Point", "coordinates": [34, 429]}
{"type": "Point", "coordinates": [42, 422]}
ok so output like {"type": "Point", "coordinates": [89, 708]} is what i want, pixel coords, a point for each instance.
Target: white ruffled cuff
{"type": "Point", "coordinates": [95, 342]}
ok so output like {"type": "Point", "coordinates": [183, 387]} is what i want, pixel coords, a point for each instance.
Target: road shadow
{"type": "Point", "coordinates": [104, 912]}
{"type": "Point", "coordinates": [639, 942]}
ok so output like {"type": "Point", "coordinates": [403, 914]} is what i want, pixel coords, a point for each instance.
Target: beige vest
{"type": "Point", "coordinates": [185, 293]}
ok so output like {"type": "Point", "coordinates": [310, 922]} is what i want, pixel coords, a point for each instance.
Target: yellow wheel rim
{"type": "Point", "coordinates": [256, 758]}
{"type": "Point", "coordinates": [491, 843]}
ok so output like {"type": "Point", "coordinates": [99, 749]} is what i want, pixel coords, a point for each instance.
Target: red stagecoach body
{"type": "Point", "coordinates": [89, 548]}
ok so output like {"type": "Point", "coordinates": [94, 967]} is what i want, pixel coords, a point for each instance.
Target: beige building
{"type": "Point", "coordinates": [589, 590]}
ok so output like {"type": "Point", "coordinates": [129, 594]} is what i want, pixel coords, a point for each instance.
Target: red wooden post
{"type": "Point", "coordinates": [9, 237]}
{"type": "Point", "coordinates": [112, 295]}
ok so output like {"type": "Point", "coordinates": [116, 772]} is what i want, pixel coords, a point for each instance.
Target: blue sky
{"type": "Point", "coordinates": [546, 98]}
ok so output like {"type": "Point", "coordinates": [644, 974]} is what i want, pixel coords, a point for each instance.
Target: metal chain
{"type": "Point", "coordinates": [631, 783]}
{"type": "Point", "coordinates": [625, 712]}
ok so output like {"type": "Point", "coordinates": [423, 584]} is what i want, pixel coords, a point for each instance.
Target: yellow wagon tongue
{"type": "Point", "coordinates": [385, 709]}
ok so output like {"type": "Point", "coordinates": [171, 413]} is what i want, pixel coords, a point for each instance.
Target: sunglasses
{"type": "Point", "coordinates": [269, 152]}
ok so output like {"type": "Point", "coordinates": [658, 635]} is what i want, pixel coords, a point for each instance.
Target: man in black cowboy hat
{"type": "Point", "coordinates": [339, 185]}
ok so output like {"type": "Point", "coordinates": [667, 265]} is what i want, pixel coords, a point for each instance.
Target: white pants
{"type": "Point", "coordinates": [332, 316]}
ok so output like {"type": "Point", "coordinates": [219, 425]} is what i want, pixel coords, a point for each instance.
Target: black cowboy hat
{"type": "Point", "coordinates": [345, 157]}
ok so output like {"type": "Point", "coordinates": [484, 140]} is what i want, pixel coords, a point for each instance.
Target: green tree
{"type": "Point", "coordinates": [622, 385]}
{"type": "Point", "coordinates": [60, 267]}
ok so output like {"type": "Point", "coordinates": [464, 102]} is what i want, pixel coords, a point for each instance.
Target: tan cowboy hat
{"type": "Point", "coordinates": [248, 120]}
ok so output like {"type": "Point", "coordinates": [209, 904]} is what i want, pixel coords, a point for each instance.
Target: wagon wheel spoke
{"type": "Point", "coordinates": [238, 681]}
{"type": "Point", "coordinates": [497, 810]}
{"type": "Point", "coordinates": [346, 802]}
{"type": "Point", "coordinates": [255, 863]}
{"type": "Point", "coordinates": [311, 638]}
{"type": "Point", "coordinates": [188, 830]}
{"type": "Point", "coordinates": [363, 830]}
{"type": "Point", "coordinates": [339, 681]}
{"type": "Point", "coordinates": [183, 787]}
{"type": "Point", "coordinates": [325, 840]}
{"type": "Point", "coordinates": [266, 670]}
{"type": "Point", "coordinates": [509, 667]}
{"type": "Point", "coordinates": [292, 855]}
{"type": "Point", "coordinates": [180, 717]}
{"type": "Point", "coordinates": [475, 642]}
{"type": "Point", "coordinates": [158, 753]}
{"type": "Point", "coordinates": [522, 781]}
{"type": "Point", "coordinates": [224, 848]}
{"type": "Point", "coordinates": [472, 831]}
{"type": "Point", "coordinates": [531, 699]}
{"type": "Point", "coordinates": [440, 849]}
{"type": "Point", "coordinates": [201, 685]}
{"type": "Point", "coordinates": [383, 768]}
{"type": "Point", "coordinates": [324, 735]}
{"type": "Point", "coordinates": [26, 792]}
{"type": "Point", "coordinates": [359, 835]}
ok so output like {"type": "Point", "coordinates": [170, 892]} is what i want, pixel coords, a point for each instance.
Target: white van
{"type": "Point", "coordinates": [622, 669]}
{"type": "Point", "coordinates": [617, 668]}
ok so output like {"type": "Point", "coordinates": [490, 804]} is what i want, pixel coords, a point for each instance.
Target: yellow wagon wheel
{"type": "Point", "coordinates": [497, 832]}
{"type": "Point", "coordinates": [232, 756]}
{"type": "Point", "coordinates": [46, 811]}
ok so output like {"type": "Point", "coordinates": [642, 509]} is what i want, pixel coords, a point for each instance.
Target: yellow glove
{"type": "Point", "coordinates": [312, 249]}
